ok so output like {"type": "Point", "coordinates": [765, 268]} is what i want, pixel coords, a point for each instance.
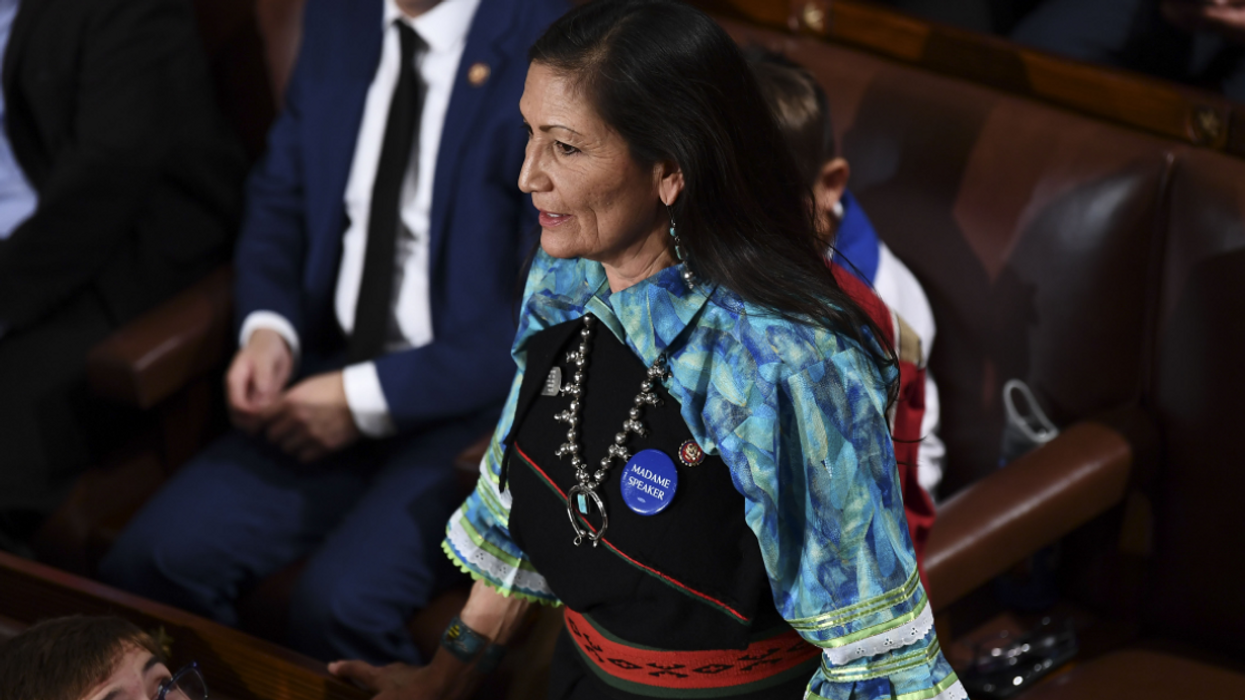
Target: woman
{"type": "Point", "coordinates": [774, 550]}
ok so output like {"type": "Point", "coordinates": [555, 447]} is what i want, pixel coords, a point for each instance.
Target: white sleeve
{"type": "Point", "coordinates": [272, 321]}
{"type": "Point", "coordinates": [367, 400]}
{"type": "Point", "coordinates": [901, 291]}
{"type": "Point", "coordinates": [930, 453]}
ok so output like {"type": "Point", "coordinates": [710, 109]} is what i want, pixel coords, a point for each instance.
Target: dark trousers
{"type": "Point", "coordinates": [371, 519]}
{"type": "Point", "coordinates": [48, 420]}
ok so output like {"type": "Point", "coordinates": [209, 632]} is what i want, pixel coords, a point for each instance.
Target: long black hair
{"type": "Point", "coordinates": [675, 86]}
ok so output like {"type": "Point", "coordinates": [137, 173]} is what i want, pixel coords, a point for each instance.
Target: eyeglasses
{"type": "Point", "coordinates": [186, 684]}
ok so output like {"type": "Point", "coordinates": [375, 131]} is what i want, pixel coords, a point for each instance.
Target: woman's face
{"type": "Point", "coordinates": [595, 200]}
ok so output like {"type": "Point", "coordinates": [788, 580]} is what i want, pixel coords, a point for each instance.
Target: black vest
{"type": "Point", "coordinates": [689, 577]}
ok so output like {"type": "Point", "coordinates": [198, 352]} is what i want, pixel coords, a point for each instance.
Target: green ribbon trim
{"type": "Point", "coordinates": [851, 613]}
{"type": "Point", "coordinates": [494, 456]}
{"type": "Point", "coordinates": [489, 498]}
{"type": "Point", "coordinates": [924, 694]}
{"type": "Point", "coordinates": [478, 540]}
{"type": "Point", "coordinates": [928, 693]}
{"type": "Point", "coordinates": [875, 630]}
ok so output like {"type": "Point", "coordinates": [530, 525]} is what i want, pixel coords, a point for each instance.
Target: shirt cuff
{"type": "Point", "coordinates": [931, 452]}
{"type": "Point", "coordinates": [367, 400]}
{"type": "Point", "coordinates": [272, 321]}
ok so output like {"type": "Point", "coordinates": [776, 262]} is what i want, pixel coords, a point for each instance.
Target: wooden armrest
{"type": "Point", "coordinates": [1030, 503]}
{"type": "Point", "coordinates": [150, 358]}
{"type": "Point", "coordinates": [234, 664]}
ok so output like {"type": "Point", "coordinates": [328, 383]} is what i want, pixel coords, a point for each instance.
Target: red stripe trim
{"type": "Point", "coordinates": [633, 562]}
{"type": "Point", "coordinates": [715, 668]}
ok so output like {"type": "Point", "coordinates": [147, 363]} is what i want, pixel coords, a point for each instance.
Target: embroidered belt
{"type": "Point", "coordinates": [691, 674]}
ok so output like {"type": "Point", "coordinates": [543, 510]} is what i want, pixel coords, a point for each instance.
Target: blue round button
{"type": "Point", "coordinates": [649, 481]}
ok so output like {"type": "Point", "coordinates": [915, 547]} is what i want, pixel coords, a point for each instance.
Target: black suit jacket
{"type": "Point", "coordinates": [110, 113]}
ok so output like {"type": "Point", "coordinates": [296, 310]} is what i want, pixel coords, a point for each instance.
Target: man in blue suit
{"type": "Point", "coordinates": [376, 273]}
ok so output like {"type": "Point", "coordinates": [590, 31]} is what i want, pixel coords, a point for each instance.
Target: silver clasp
{"type": "Point", "coordinates": [581, 531]}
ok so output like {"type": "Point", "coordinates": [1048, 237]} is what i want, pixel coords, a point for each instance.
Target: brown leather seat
{"type": "Point", "coordinates": [1142, 674]}
{"type": "Point", "coordinates": [1196, 565]}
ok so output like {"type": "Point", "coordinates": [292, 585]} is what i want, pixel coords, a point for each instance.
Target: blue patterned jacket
{"type": "Point", "coordinates": [797, 413]}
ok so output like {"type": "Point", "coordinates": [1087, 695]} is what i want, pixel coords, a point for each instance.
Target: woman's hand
{"type": "Point", "coordinates": [445, 678]}
{"type": "Point", "coordinates": [387, 682]}
{"type": "Point", "coordinates": [489, 613]}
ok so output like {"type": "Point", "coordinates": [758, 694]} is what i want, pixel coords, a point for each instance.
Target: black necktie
{"type": "Point", "coordinates": [374, 307]}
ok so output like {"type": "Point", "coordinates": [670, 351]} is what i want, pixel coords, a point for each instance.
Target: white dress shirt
{"type": "Point", "coordinates": [444, 28]}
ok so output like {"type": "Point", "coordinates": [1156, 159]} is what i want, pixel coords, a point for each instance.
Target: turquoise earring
{"type": "Point", "coordinates": [689, 278]}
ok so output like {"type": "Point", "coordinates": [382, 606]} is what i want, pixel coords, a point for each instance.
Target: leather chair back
{"type": "Point", "coordinates": [240, 36]}
{"type": "Point", "coordinates": [1196, 564]}
{"type": "Point", "coordinates": [1032, 230]}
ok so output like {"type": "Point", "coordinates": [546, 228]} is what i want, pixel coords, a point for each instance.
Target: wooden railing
{"type": "Point", "coordinates": [235, 665]}
{"type": "Point", "coordinates": [1185, 114]}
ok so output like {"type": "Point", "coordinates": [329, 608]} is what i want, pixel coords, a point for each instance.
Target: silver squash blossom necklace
{"type": "Point", "coordinates": [584, 492]}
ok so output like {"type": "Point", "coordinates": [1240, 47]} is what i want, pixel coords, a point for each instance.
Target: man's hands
{"type": "Point", "coordinates": [257, 378]}
{"type": "Point", "coordinates": [309, 421]}
{"type": "Point", "coordinates": [313, 419]}
{"type": "Point", "coordinates": [1223, 17]}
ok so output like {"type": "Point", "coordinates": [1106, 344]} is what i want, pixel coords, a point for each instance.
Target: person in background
{"type": "Point", "coordinates": [92, 658]}
{"type": "Point", "coordinates": [1198, 42]}
{"type": "Point", "coordinates": [119, 185]}
{"type": "Point", "coordinates": [376, 271]}
{"type": "Point", "coordinates": [800, 107]}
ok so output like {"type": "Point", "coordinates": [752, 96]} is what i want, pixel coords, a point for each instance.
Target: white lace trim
{"type": "Point", "coordinates": [505, 574]}
{"type": "Point", "coordinates": [486, 474]}
{"type": "Point", "coordinates": [897, 638]}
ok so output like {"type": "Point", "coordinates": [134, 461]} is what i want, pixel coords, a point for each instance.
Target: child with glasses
{"type": "Point", "coordinates": [92, 658]}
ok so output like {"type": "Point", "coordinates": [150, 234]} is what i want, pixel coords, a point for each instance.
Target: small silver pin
{"type": "Point", "coordinates": [553, 383]}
